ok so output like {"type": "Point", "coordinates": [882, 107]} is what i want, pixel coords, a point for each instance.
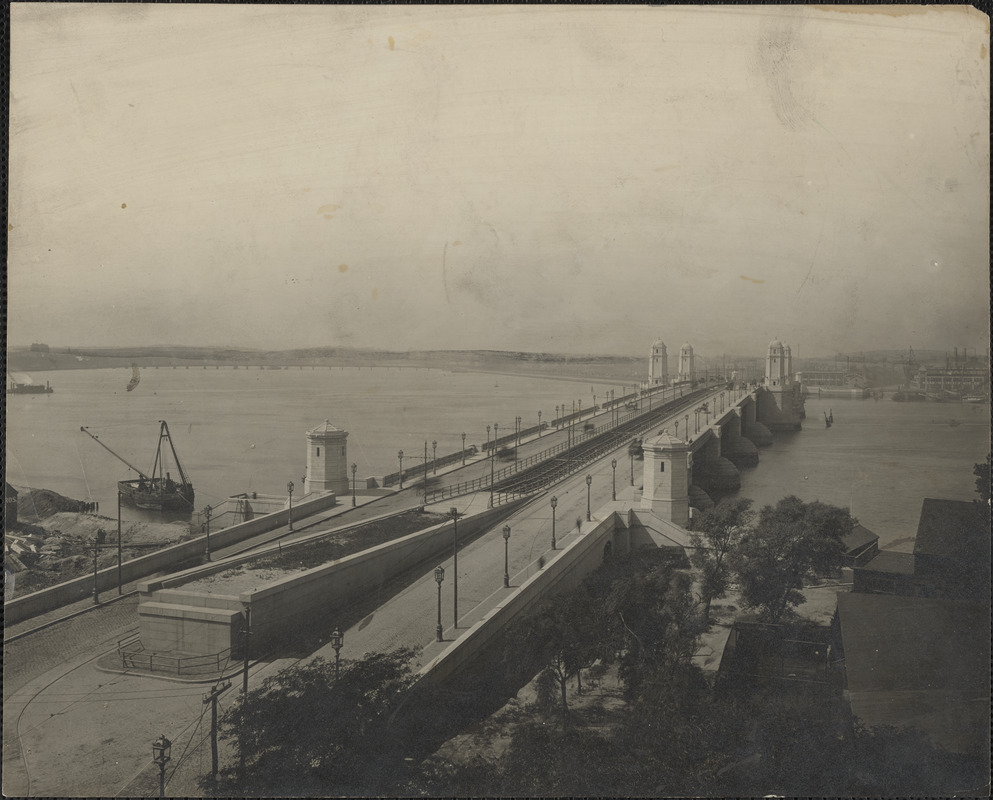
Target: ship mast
{"type": "Point", "coordinates": [164, 434]}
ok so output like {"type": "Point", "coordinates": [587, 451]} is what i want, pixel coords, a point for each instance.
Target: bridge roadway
{"type": "Point", "coordinates": [409, 617]}
{"type": "Point", "coordinates": [461, 484]}
{"type": "Point", "coordinates": [62, 711]}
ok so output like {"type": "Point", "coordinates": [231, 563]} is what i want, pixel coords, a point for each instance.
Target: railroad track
{"type": "Point", "coordinates": [554, 469]}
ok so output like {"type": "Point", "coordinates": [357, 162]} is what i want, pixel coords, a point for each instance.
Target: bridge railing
{"type": "Point", "coordinates": [580, 437]}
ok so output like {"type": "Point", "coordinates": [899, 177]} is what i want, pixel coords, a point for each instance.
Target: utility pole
{"type": "Point", "coordinates": [120, 554]}
{"type": "Point", "coordinates": [211, 697]}
{"type": "Point", "coordinates": [96, 590]}
{"type": "Point", "coordinates": [248, 633]}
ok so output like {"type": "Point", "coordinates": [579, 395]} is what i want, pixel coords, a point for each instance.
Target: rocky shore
{"type": "Point", "coordinates": [52, 540]}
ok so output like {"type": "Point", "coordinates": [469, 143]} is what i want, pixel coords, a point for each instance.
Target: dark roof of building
{"type": "Point", "coordinates": [8, 490]}
{"type": "Point", "coordinates": [921, 662]}
{"type": "Point", "coordinates": [952, 529]}
{"type": "Point", "coordinates": [892, 562]}
{"type": "Point", "coordinates": [859, 538]}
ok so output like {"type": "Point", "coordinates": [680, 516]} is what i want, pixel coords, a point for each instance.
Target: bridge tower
{"type": "Point", "coordinates": [658, 366]}
{"type": "Point", "coordinates": [780, 403]}
{"type": "Point", "coordinates": [667, 485]}
{"type": "Point", "coordinates": [327, 460]}
{"type": "Point", "coordinates": [686, 368]}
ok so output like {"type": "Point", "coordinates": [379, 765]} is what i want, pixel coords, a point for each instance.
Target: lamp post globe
{"type": "Point", "coordinates": [554, 502]}
{"type": "Point", "coordinates": [439, 576]}
{"type": "Point", "coordinates": [589, 481]}
{"type": "Point", "coordinates": [337, 639]}
{"type": "Point", "coordinates": [289, 491]}
{"type": "Point", "coordinates": [506, 561]}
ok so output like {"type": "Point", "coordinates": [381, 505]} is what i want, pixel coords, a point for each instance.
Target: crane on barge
{"type": "Point", "coordinates": [158, 491]}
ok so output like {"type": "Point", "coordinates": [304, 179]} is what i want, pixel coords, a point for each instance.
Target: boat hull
{"type": "Point", "coordinates": [157, 495]}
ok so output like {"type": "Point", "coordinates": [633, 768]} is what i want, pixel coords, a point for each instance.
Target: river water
{"type": "Point", "coordinates": [879, 458]}
{"type": "Point", "coordinates": [243, 430]}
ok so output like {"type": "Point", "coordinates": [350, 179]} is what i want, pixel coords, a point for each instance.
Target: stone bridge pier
{"type": "Point", "coordinates": [712, 472]}
{"type": "Point", "coordinates": [753, 430]}
{"type": "Point", "coordinates": [738, 450]}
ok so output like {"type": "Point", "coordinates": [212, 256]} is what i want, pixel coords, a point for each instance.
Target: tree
{"type": "Point", "coordinates": [559, 639]}
{"type": "Point", "coordinates": [303, 732]}
{"type": "Point", "coordinates": [655, 627]}
{"type": "Point", "coordinates": [721, 529]}
{"type": "Point", "coordinates": [792, 541]}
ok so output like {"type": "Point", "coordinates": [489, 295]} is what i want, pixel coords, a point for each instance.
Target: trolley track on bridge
{"type": "Point", "coordinates": [550, 471]}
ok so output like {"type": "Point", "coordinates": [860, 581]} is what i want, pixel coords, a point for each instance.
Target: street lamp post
{"type": "Point", "coordinates": [336, 641]}
{"type": "Point", "coordinates": [161, 749]}
{"type": "Point", "coordinates": [555, 419]}
{"type": "Point", "coordinates": [506, 561]}
{"type": "Point", "coordinates": [120, 553]}
{"type": "Point", "coordinates": [207, 511]}
{"type": "Point", "coordinates": [539, 424]}
{"type": "Point", "coordinates": [96, 590]}
{"type": "Point", "coordinates": [439, 576]}
{"type": "Point", "coordinates": [454, 512]}
{"type": "Point", "coordinates": [589, 481]}
{"type": "Point", "coordinates": [400, 456]}
{"type": "Point", "coordinates": [425, 472]}
{"type": "Point", "coordinates": [463, 449]}
{"type": "Point", "coordinates": [289, 489]}
{"type": "Point", "coordinates": [355, 468]}
{"type": "Point", "coordinates": [434, 457]}
{"type": "Point", "coordinates": [613, 479]}
{"type": "Point", "coordinates": [555, 502]}
{"type": "Point", "coordinates": [631, 456]}
{"type": "Point", "coordinates": [496, 428]}
{"type": "Point", "coordinates": [686, 418]}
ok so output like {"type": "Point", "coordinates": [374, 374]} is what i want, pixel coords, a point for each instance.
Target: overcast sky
{"type": "Point", "coordinates": [546, 179]}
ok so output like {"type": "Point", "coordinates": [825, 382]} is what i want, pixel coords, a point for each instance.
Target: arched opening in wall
{"type": "Point", "coordinates": [608, 550]}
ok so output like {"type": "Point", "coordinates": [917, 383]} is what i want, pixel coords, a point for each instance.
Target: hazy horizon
{"type": "Point", "coordinates": [574, 180]}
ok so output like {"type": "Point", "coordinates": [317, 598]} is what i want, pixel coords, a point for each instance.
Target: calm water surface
{"type": "Point", "coordinates": [878, 458]}
{"type": "Point", "coordinates": [243, 430]}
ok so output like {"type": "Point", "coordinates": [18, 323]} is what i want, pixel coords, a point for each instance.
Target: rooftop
{"type": "Point", "coordinates": [920, 662]}
{"type": "Point", "coordinates": [892, 562]}
{"type": "Point", "coordinates": [951, 529]}
{"type": "Point", "coordinates": [859, 538]}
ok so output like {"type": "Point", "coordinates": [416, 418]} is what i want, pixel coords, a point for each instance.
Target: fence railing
{"type": "Point", "coordinates": [620, 426]}
{"type": "Point", "coordinates": [413, 473]}
{"type": "Point", "coordinates": [134, 656]}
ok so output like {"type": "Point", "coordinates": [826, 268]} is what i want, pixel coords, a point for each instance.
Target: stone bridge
{"type": "Point", "coordinates": [717, 438]}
